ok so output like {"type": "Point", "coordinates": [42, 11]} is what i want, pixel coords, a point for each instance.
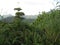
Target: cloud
{"type": "Point", "coordinates": [28, 6]}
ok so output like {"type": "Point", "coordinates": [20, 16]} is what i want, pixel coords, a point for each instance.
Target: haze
{"type": "Point", "coordinates": [29, 7]}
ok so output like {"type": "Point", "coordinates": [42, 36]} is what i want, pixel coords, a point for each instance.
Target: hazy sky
{"type": "Point", "coordinates": [30, 7]}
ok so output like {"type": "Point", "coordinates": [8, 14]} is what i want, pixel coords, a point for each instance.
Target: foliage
{"type": "Point", "coordinates": [18, 14]}
{"type": "Point", "coordinates": [17, 33]}
{"type": "Point", "coordinates": [49, 24]}
{"type": "Point", "coordinates": [44, 31]}
{"type": "Point", "coordinates": [18, 9]}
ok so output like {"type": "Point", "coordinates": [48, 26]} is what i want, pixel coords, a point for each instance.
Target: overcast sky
{"type": "Point", "coordinates": [30, 7]}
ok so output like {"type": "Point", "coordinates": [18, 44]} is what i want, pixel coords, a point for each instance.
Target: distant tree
{"type": "Point", "coordinates": [18, 13]}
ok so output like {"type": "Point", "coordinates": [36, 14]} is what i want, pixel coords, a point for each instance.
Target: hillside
{"type": "Point", "coordinates": [27, 18]}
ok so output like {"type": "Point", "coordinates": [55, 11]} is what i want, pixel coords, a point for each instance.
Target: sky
{"type": "Point", "coordinates": [29, 7]}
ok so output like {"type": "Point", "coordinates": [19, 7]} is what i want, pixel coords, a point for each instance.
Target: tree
{"type": "Point", "coordinates": [18, 14]}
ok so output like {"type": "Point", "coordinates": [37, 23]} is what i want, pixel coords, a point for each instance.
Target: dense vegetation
{"type": "Point", "coordinates": [49, 25]}
{"type": "Point", "coordinates": [45, 30]}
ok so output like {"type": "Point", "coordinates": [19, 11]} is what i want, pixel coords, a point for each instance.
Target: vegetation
{"type": "Point", "coordinates": [18, 14]}
{"type": "Point", "coordinates": [45, 30]}
{"type": "Point", "coordinates": [49, 26]}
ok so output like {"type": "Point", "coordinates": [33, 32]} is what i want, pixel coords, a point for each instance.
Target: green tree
{"type": "Point", "coordinates": [18, 14]}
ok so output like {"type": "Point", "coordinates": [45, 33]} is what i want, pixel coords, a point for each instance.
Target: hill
{"type": "Point", "coordinates": [27, 18]}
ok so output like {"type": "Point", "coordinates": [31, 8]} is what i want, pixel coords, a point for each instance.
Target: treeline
{"type": "Point", "coordinates": [45, 30]}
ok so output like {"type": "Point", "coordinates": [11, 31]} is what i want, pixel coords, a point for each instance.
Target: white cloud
{"type": "Point", "coordinates": [30, 7]}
